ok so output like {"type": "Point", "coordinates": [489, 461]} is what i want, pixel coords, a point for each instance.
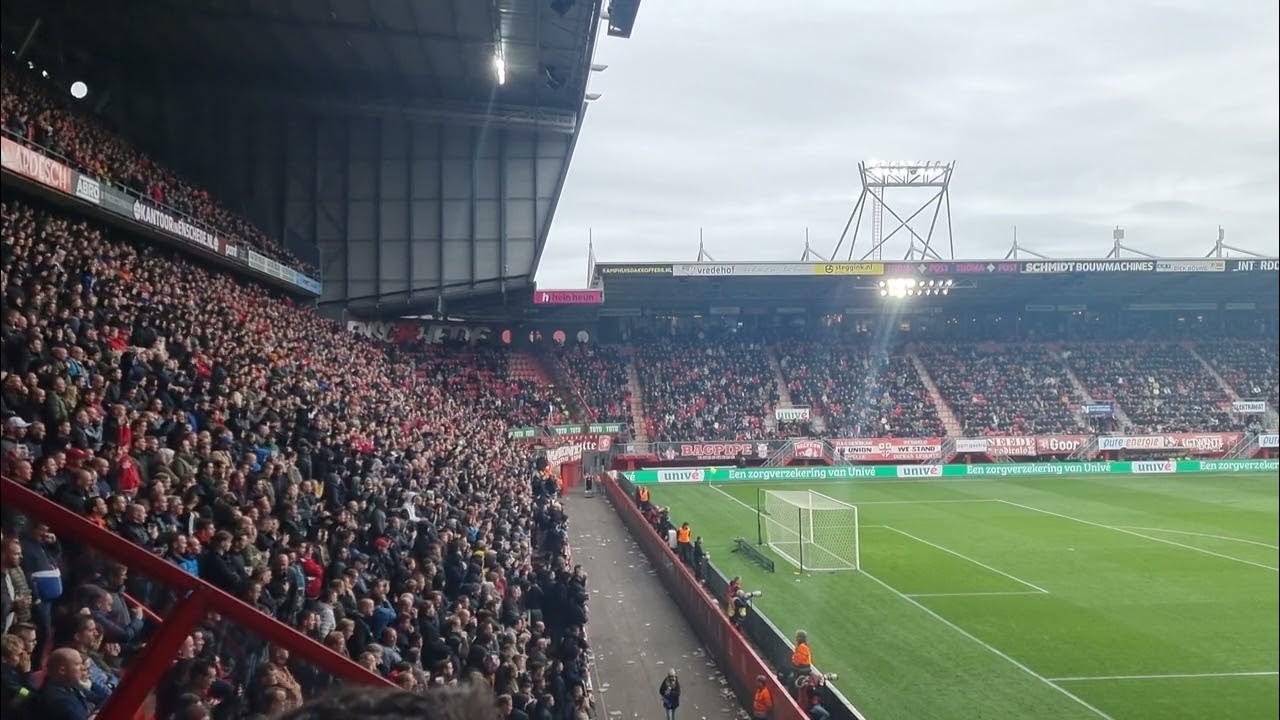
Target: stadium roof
{"type": "Point", "coordinates": [819, 286]}
{"type": "Point", "coordinates": [433, 54]}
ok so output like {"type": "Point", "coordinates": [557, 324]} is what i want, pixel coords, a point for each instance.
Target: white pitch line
{"type": "Point", "coordinates": [917, 502]}
{"type": "Point", "coordinates": [960, 630]}
{"type": "Point", "coordinates": [976, 594]}
{"type": "Point", "coordinates": [990, 648]}
{"type": "Point", "coordinates": [1152, 538]}
{"type": "Point", "coordinates": [1018, 580]}
{"type": "Point", "coordinates": [1199, 534]}
{"type": "Point", "coordinates": [1260, 673]}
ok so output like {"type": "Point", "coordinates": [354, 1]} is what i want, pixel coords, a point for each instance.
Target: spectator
{"type": "Point", "coordinates": [669, 691]}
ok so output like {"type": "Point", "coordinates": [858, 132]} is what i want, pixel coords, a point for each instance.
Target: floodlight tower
{"type": "Point", "coordinates": [877, 177]}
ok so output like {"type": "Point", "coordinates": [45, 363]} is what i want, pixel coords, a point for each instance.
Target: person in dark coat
{"type": "Point", "coordinates": [669, 691]}
{"type": "Point", "coordinates": [61, 697]}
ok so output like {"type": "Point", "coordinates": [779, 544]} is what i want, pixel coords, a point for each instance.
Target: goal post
{"type": "Point", "coordinates": [810, 530]}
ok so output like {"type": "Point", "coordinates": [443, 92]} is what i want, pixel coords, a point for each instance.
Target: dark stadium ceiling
{"type": "Point", "coordinates": [398, 52]}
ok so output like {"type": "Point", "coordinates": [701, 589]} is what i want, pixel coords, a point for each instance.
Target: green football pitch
{"type": "Point", "coordinates": [1129, 597]}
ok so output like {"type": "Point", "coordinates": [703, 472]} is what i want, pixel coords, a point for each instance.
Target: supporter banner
{"type": "Point", "coordinates": [1191, 266]}
{"type": "Point", "coordinates": [1097, 409]}
{"type": "Point", "coordinates": [854, 472]}
{"type": "Point", "coordinates": [116, 201]}
{"type": "Point", "coordinates": [29, 163]}
{"type": "Point", "coordinates": [714, 450]}
{"type": "Point", "coordinates": [148, 214]}
{"type": "Point", "coordinates": [1021, 445]}
{"type": "Point", "coordinates": [808, 449]}
{"type": "Point", "coordinates": [568, 297]}
{"type": "Point", "coordinates": [1249, 407]}
{"type": "Point", "coordinates": [1189, 442]}
{"type": "Point", "coordinates": [887, 449]}
{"type": "Point", "coordinates": [792, 414]}
{"type": "Point", "coordinates": [88, 189]}
{"type": "Point", "coordinates": [592, 429]}
{"type": "Point", "coordinates": [524, 433]}
{"type": "Point", "coordinates": [404, 331]}
{"type": "Point", "coordinates": [1269, 440]}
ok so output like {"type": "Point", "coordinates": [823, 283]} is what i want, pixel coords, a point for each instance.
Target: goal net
{"type": "Point", "coordinates": [810, 530]}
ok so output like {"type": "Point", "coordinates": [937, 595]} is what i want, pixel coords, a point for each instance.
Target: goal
{"type": "Point", "coordinates": [808, 529]}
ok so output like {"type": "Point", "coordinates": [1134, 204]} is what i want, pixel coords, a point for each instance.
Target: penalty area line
{"type": "Point", "coordinates": [1172, 676]}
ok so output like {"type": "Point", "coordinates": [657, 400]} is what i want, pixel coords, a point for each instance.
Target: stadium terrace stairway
{"type": "Point", "coordinates": [944, 410]}
{"type": "Point", "coordinates": [1213, 372]}
{"type": "Point", "coordinates": [638, 419]}
{"type": "Point", "coordinates": [1122, 420]}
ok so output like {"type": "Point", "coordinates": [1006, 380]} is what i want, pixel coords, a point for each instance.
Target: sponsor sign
{"type": "Point", "coordinates": [88, 189]}
{"type": "Point", "coordinates": [405, 331]}
{"type": "Point", "coordinates": [634, 269]}
{"type": "Point", "coordinates": [868, 268]}
{"type": "Point", "coordinates": [808, 449]}
{"type": "Point", "coordinates": [1249, 407]}
{"type": "Point", "coordinates": [29, 163]}
{"type": "Point", "coordinates": [116, 201]}
{"type": "Point", "coordinates": [1269, 440]}
{"type": "Point", "coordinates": [1097, 409]}
{"type": "Point", "coordinates": [1195, 443]}
{"type": "Point", "coordinates": [568, 297]}
{"type": "Point", "coordinates": [713, 450]}
{"type": "Point", "coordinates": [1051, 469]}
{"type": "Point", "coordinates": [1059, 444]}
{"type": "Point", "coordinates": [971, 445]}
{"type": "Point", "coordinates": [683, 475]}
{"type": "Point", "coordinates": [990, 266]}
{"type": "Point", "coordinates": [793, 414]}
{"type": "Point", "coordinates": [919, 471]}
{"type": "Point", "coordinates": [1265, 265]}
{"type": "Point", "coordinates": [523, 433]}
{"type": "Point", "coordinates": [887, 449]}
{"type": "Point", "coordinates": [155, 217]}
{"type": "Point", "coordinates": [1191, 266]}
{"type": "Point", "coordinates": [1089, 266]}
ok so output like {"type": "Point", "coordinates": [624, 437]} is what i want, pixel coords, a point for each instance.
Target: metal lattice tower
{"type": "Point", "coordinates": [877, 177]}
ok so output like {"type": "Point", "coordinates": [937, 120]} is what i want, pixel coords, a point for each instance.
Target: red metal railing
{"type": "Point", "coordinates": [197, 598]}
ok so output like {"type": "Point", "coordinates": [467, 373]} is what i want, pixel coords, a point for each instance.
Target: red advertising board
{"type": "Point", "coordinates": [568, 297]}
{"type": "Point", "coordinates": [887, 449]}
{"type": "Point", "coordinates": [29, 163]}
{"type": "Point", "coordinates": [712, 450]}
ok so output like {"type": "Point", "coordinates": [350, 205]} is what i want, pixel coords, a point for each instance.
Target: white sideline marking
{"type": "Point", "coordinates": [1141, 535]}
{"type": "Point", "coordinates": [1260, 673]}
{"type": "Point", "coordinates": [959, 629]}
{"type": "Point", "coordinates": [994, 650]}
{"type": "Point", "coordinates": [917, 502]}
{"type": "Point", "coordinates": [975, 594]}
{"type": "Point", "coordinates": [1020, 581]}
{"type": "Point", "coordinates": [1198, 534]}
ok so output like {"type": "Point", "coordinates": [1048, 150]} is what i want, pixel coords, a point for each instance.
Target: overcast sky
{"type": "Point", "coordinates": [1065, 119]}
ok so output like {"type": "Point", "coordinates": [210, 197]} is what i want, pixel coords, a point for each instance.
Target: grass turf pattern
{"type": "Point", "coordinates": [1036, 598]}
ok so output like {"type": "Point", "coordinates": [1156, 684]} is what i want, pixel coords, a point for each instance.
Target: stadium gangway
{"type": "Point", "coordinates": [198, 597]}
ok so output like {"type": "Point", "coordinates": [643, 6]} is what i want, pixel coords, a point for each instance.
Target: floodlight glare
{"type": "Point", "coordinates": [79, 90]}
{"type": "Point", "coordinates": [881, 283]}
{"type": "Point", "coordinates": [500, 67]}
{"type": "Point", "coordinates": [884, 293]}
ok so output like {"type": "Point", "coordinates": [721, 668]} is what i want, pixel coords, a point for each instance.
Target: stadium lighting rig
{"type": "Point", "coordinates": [899, 288]}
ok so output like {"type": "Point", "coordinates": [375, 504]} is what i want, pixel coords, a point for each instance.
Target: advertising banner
{"type": "Point", "coordinates": [116, 201]}
{"type": "Point", "coordinates": [1194, 443]}
{"type": "Point", "coordinates": [1269, 440]}
{"type": "Point", "coordinates": [88, 189]}
{"type": "Point", "coordinates": [794, 414]}
{"type": "Point", "coordinates": [726, 451]}
{"type": "Point", "coordinates": [1052, 469]}
{"type": "Point", "coordinates": [1089, 266]}
{"type": "Point", "coordinates": [1059, 444]}
{"type": "Point", "coordinates": [681, 475]}
{"type": "Point", "coordinates": [147, 214]}
{"type": "Point", "coordinates": [1191, 266]}
{"type": "Point", "coordinates": [772, 269]}
{"type": "Point", "coordinates": [1021, 445]}
{"type": "Point", "coordinates": [974, 445]}
{"type": "Point", "coordinates": [634, 269]}
{"type": "Point", "coordinates": [1097, 409]}
{"type": "Point", "coordinates": [568, 297]}
{"type": "Point", "coordinates": [523, 433]}
{"type": "Point", "coordinates": [887, 449]}
{"type": "Point", "coordinates": [29, 163]}
{"type": "Point", "coordinates": [1249, 407]}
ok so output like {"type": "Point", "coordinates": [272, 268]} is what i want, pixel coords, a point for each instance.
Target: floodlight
{"type": "Point", "coordinates": [79, 90]}
{"type": "Point", "coordinates": [500, 67]}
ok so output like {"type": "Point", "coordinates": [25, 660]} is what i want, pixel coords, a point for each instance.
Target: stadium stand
{"type": "Point", "coordinates": [47, 122]}
{"type": "Point", "coordinates": [701, 388]}
{"type": "Point", "coordinates": [860, 392]}
{"type": "Point", "coordinates": [1249, 367]}
{"type": "Point", "coordinates": [1003, 389]}
{"type": "Point", "coordinates": [1162, 387]}
{"type": "Point", "coordinates": [363, 493]}
{"type": "Point", "coordinates": [599, 374]}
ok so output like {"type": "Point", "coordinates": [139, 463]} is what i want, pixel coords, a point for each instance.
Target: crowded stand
{"type": "Point", "coordinates": [48, 121]}
{"type": "Point", "coordinates": [1162, 387]}
{"type": "Point", "coordinates": [1002, 389]}
{"type": "Point", "coordinates": [362, 493]}
{"type": "Point", "coordinates": [704, 388]}
{"type": "Point", "coordinates": [598, 373]}
{"type": "Point", "coordinates": [859, 391]}
{"type": "Point", "coordinates": [1250, 368]}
